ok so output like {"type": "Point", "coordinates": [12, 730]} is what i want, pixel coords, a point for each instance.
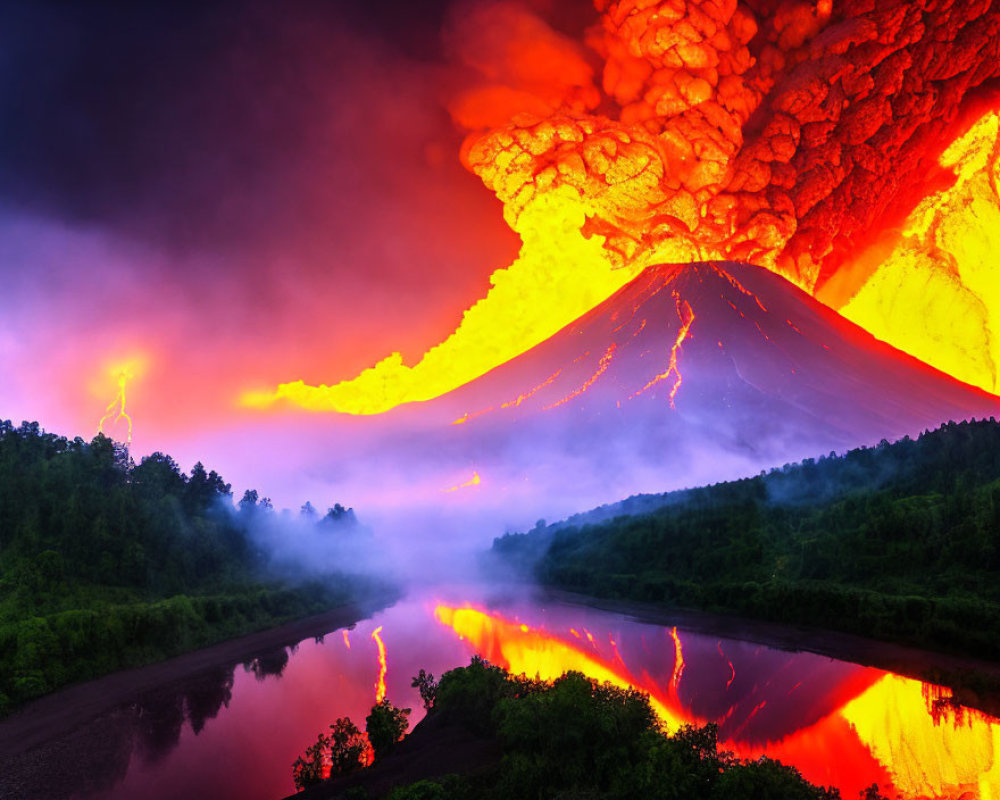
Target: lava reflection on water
{"type": "Point", "coordinates": [840, 724]}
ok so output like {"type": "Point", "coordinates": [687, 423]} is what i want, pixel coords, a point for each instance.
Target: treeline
{"type": "Point", "coordinates": [897, 542]}
{"type": "Point", "coordinates": [572, 737]}
{"type": "Point", "coordinates": [106, 564]}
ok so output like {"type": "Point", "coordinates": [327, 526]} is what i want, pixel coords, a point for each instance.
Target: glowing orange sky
{"type": "Point", "coordinates": [656, 160]}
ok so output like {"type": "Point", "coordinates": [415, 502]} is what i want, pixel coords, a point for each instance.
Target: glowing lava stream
{"type": "Point", "coordinates": [686, 316]}
{"type": "Point", "coordinates": [602, 367]}
{"type": "Point", "coordinates": [383, 666]}
{"type": "Point", "coordinates": [889, 729]}
{"type": "Point", "coordinates": [119, 404]}
{"type": "Point", "coordinates": [475, 480]}
{"type": "Point", "coordinates": [678, 658]}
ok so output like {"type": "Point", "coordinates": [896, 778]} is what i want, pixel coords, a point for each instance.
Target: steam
{"type": "Point", "coordinates": [308, 544]}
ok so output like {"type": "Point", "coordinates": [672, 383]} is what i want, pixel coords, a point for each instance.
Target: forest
{"type": "Point", "coordinates": [106, 564]}
{"type": "Point", "coordinates": [898, 542]}
{"type": "Point", "coordinates": [568, 738]}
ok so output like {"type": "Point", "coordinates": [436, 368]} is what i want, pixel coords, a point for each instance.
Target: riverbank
{"type": "Point", "coordinates": [55, 715]}
{"type": "Point", "coordinates": [896, 543]}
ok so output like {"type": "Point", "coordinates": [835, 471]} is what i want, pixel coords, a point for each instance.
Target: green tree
{"type": "Point", "coordinates": [386, 726]}
{"type": "Point", "coordinates": [349, 747]}
{"type": "Point", "coordinates": [308, 770]}
{"type": "Point", "coordinates": [424, 683]}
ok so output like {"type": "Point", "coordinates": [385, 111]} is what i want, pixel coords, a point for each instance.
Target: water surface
{"type": "Point", "coordinates": [235, 731]}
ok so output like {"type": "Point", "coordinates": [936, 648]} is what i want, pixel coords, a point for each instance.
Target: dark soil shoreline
{"type": "Point", "coordinates": [58, 714]}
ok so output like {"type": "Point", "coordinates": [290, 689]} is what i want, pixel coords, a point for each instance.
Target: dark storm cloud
{"type": "Point", "coordinates": [213, 124]}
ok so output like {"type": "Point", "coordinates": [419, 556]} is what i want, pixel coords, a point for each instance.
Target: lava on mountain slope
{"type": "Point", "coordinates": [683, 342]}
{"type": "Point", "coordinates": [689, 374]}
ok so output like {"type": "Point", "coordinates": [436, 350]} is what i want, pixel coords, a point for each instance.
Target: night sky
{"type": "Point", "coordinates": [230, 195]}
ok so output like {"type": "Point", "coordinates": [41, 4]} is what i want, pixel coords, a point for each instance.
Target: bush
{"type": "Point", "coordinates": [386, 726]}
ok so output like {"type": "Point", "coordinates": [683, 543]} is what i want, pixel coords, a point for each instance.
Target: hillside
{"type": "Point", "coordinates": [898, 542]}
{"type": "Point", "coordinates": [689, 374]}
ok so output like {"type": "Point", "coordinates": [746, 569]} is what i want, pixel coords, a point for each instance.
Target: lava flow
{"type": "Point", "coordinates": [783, 134]}
{"type": "Point", "coordinates": [930, 286]}
{"type": "Point", "coordinates": [475, 480]}
{"type": "Point", "coordinates": [383, 666]}
{"type": "Point", "coordinates": [871, 727]}
{"type": "Point", "coordinates": [686, 316]}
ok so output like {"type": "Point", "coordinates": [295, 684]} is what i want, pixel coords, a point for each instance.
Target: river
{"type": "Point", "coordinates": [236, 729]}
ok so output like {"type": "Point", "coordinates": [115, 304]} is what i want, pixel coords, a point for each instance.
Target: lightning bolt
{"type": "Point", "coordinates": [116, 408]}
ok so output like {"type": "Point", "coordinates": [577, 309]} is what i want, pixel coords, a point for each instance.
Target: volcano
{"type": "Point", "coordinates": [692, 358]}
{"type": "Point", "coordinates": [689, 374]}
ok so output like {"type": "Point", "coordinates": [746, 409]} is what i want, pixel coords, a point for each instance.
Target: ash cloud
{"type": "Point", "coordinates": [775, 132]}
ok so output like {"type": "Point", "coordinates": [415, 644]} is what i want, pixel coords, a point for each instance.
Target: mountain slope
{"type": "Point", "coordinates": [896, 542]}
{"type": "Point", "coordinates": [689, 374]}
{"type": "Point", "coordinates": [719, 345]}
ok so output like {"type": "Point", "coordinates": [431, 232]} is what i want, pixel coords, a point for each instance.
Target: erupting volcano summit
{"type": "Point", "coordinates": [695, 371]}
{"type": "Point", "coordinates": [726, 346]}
{"type": "Point", "coordinates": [793, 135]}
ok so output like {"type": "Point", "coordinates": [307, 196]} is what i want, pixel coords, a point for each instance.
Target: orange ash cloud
{"type": "Point", "coordinates": [779, 132]}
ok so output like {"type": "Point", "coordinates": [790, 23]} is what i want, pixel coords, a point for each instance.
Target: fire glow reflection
{"type": "Point", "coordinates": [838, 723]}
{"type": "Point", "coordinates": [864, 725]}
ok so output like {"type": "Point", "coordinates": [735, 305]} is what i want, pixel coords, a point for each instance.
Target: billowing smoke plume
{"type": "Point", "coordinates": [779, 132]}
{"type": "Point", "coordinates": [761, 131]}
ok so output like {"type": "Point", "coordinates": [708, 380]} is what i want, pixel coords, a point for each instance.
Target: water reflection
{"type": "Point", "coordinates": [235, 731]}
{"type": "Point", "coordinates": [93, 760]}
{"type": "Point", "coordinates": [268, 665]}
{"type": "Point", "coordinates": [840, 724]}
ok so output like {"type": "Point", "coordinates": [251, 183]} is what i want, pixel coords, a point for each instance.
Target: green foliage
{"type": "Point", "coordinates": [576, 738]}
{"type": "Point", "coordinates": [470, 694]}
{"type": "Point", "coordinates": [308, 771]}
{"type": "Point", "coordinates": [386, 726]}
{"type": "Point", "coordinates": [425, 684]}
{"type": "Point", "coordinates": [349, 747]}
{"type": "Point", "coordinates": [344, 750]}
{"type": "Point", "coordinates": [575, 734]}
{"type": "Point", "coordinates": [105, 565]}
{"type": "Point", "coordinates": [897, 542]}
{"type": "Point", "coordinates": [421, 790]}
